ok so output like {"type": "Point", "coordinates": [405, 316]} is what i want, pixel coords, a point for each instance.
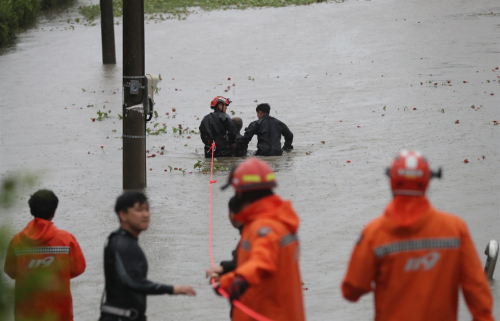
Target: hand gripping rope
{"type": "Point", "coordinates": [223, 293]}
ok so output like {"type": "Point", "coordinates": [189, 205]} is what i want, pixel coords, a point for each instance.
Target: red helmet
{"type": "Point", "coordinates": [251, 175]}
{"type": "Point", "coordinates": [410, 174]}
{"type": "Point", "coordinates": [219, 99]}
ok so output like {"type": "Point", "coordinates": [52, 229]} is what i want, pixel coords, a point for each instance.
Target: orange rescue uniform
{"type": "Point", "coordinates": [42, 259]}
{"type": "Point", "coordinates": [418, 258]}
{"type": "Point", "coordinates": [268, 259]}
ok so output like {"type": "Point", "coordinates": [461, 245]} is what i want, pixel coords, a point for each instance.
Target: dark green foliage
{"type": "Point", "coordinates": [25, 11]}
{"type": "Point", "coordinates": [19, 14]}
{"type": "Point", "coordinates": [51, 4]}
{"type": "Point", "coordinates": [179, 8]}
{"type": "Point", "coordinates": [8, 21]}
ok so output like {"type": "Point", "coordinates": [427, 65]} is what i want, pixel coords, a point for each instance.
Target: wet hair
{"type": "Point", "coordinates": [253, 196]}
{"type": "Point", "coordinates": [43, 204]}
{"type": "Point", "coordinates": [238, 122]}
{"type": "Point", "coordinates": [265, 108]}
{"type": "Point", "coordinates": [128, 200]}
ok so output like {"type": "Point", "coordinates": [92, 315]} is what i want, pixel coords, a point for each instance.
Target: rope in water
{"type": "Point", "coordinates": [223, 293]}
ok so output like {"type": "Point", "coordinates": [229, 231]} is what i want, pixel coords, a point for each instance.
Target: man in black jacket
{"type": "Point", "coordinates": [269, 131]}
{"type": "Point", "coordinates": [218, 128]}
{"type": "Point", "coordinates": [126, 266]}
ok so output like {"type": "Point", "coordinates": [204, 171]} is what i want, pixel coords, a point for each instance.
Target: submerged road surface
{"type": "Point", "coordinates": [367, 78]}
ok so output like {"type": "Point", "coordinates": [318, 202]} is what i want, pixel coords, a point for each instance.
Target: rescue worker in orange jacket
{"type": "Point", "coordinates": [416, 256]}
{"type": "Point", "coordinates": [42, 259]}
{"type": "Point", "coordinates": [267, 277]}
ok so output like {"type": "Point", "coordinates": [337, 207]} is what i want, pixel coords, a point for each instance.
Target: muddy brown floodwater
{"type": "Point", "coordinates": [366, 77]}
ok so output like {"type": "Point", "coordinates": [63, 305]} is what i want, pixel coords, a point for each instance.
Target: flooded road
{"type": "Point", "coordinates": [366, 77]}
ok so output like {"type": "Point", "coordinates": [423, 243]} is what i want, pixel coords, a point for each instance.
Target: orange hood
{"type": "Point", "coordinates": [38, 231]}
{"type": "Point", "coordinates": [271, 207]}
{"type": "Point", "coordinates": [406, 210]}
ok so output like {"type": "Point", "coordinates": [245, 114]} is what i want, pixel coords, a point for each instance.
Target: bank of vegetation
{"type": "Point", "coordinates": [164, 9]}
{"type": "Point", "coordinates": [16, 15]}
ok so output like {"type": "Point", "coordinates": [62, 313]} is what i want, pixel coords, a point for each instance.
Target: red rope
{"type": "Point", "coordinates": [210, 204]}
{"type": "Point", "coordinates": [223, 293]}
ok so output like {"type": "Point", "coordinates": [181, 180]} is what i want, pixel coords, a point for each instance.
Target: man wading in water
{"type": "Point", "coordinates": [126, 266]}
{"type": "Point", "coordinates": [269, 131]}
{"type": "Point", "coordinates": [218, 128]}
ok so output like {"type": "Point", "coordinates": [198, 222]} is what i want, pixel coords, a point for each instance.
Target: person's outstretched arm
{"type": "Point", "coordinates": [229, 266]}
{"type": "Point", "coordinates": [250, 131]}
{"type": "Point", "coordinates": [288, 137]}
{"type": "Point", "coordinates": [225, 267]}
{"type": "Point", "coordinates": [128, 269]}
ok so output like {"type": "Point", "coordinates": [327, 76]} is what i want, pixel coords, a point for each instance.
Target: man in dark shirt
{"type": "Point", "coordinates": [126, 266]}
{"type": "Point", "coordinates": [230, 265]}
{"type": "Point", "coordinates": [241, 146]}
{"type": "Point", "coordinates": [269, 131]}
{"type": "Point", "coordinates": [218, 128]}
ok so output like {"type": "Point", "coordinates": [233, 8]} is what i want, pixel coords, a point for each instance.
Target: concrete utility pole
{"type": "Point", "coordinates": [134, 94]}
{"type": "Point", "coordinates": [107, 33]}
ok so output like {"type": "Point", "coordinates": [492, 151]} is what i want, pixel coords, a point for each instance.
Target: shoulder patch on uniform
{"type": "Point", "coordinates": [264, 230]}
